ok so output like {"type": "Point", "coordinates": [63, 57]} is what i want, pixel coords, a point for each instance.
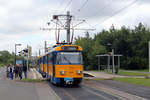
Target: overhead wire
{"type": "Point", "coordinates": [110, 2]}
{"type": "Point", "coordinates": [90, 25]}
{"type": "Point", "coordinates": [97, 12]}
{"type": "Point", "coordinates": [83, 5]}
{"type": "Point", "coordinates": [60, 4]}
{"type": "Point", "coordinates": [119, 11]}
{"type": "Point", "coordinates": [67, 5]}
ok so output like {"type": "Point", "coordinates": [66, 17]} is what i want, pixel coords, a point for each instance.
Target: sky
{"type": "Point", "coordinates": [21, 20]}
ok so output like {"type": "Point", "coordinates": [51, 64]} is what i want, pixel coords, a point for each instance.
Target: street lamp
{"type": "Point", "coordinates": [16, 51]}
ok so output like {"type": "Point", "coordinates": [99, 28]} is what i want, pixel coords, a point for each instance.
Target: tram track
{"type": "Point", "coordinates": [114, 91]}
{"type": "Point", "coordinates": [93, 90]}
{"type": "Point", "coordinates": [81, 92]}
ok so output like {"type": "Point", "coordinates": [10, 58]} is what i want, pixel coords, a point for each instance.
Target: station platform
{"type": "Point", "coordinates": [103, 75]}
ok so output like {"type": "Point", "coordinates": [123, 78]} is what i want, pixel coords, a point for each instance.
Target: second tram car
{"type": "Point", "coordinates": [62, 65]}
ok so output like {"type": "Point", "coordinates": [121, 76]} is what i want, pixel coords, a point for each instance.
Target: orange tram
{"type": "Point", "coordinates": [62, 65]}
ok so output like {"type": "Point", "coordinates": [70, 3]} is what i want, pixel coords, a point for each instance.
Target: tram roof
{"type": "Point", "coordinates": [59, 48]}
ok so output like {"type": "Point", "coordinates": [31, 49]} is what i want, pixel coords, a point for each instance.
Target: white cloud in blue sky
{"type": "Point", "coordinates": [20, 20]}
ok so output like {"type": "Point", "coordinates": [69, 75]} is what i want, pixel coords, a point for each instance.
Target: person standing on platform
{"type": "Point", "coordinates": [10, 70]}
{"type": "Point", "coordinates": [20, 71]}
{"type": "Point", "coordinates": [7, 71]}
{"type": "Point", "coordinates": [16, 71]}
{"type": "Point", "coordinates": [25, 70]}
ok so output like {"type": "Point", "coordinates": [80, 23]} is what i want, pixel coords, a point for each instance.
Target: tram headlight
{"type": "Point", "coordinates": [79, 72]}
{"type": "Point", "coordinates": [62, 72]}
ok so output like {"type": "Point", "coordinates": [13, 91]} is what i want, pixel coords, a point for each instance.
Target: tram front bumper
{"type": "Point", "coordinates": [68, 80]}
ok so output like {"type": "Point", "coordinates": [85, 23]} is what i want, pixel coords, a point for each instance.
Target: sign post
{"type": "Point", "coordinates": [28, 58]}
{"type": "Point", "coordinates": [113, 63]}
{"type": "Point", "coordinates": [149, 58]}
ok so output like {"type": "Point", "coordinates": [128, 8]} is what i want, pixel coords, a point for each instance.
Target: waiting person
{"type": "Point", "coordinates": [20, 71]}
{"type": "Point", "coordinates": [10, 70]}
{"type": "Point", "coordinates": [16, 71]}
{"type": "Point", "coordinates": [7, 71]}
{"type": "Point", "coordinates": [25, 70]}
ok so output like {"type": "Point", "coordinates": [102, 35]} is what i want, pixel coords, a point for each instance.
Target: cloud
{"type": "Point", "coordinates": [21, 19]}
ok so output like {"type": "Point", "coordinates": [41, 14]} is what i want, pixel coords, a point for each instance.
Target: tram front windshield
{"type": "Point", "coordinates": [69, 58]}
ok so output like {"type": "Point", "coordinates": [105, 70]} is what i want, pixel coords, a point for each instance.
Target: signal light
{"type": "Point", "coordinates": [55, 17]}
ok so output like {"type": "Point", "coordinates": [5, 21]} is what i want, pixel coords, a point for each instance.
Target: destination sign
{"type": "Point", "coordinates": [70, 48]}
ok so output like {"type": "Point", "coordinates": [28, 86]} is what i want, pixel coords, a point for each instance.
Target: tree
{"type": "Point", "coordinates": [85, 43]}
{"type": "Point", "coordinates": [131, 43]}
{"type": "Point", "coordinates": [97, 49]}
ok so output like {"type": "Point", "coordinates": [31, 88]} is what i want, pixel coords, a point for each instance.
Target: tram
{"type": "Point", "coordinates": [62, 65]}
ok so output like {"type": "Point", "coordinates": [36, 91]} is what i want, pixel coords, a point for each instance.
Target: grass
{"type": "Point", "coordinates": [98, 79]}
{"type": "Point", "coordinates": [97, 70]}
{"type": "Point", "coordinates": [32, 80]}
{"type": "Point", "coordinates": [137, 81]}
{"type": "Point", "coordinates": [142, 70]}
{"type": "Point", "coordinates": [123, 72]}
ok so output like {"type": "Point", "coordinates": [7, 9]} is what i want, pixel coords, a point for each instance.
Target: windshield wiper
{"type": "Point", "coordinates": [67, 60]}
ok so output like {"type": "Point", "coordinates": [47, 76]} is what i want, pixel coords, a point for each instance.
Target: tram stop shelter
{"type": "Point", "coordinates": [112, 62]}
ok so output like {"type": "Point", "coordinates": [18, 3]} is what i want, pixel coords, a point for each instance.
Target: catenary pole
{"type": "Point", "coordinates": [28, 58]}
{"type": "Point", "coordinates": [45, 47]}
{"type": "Point", "coordinates": [15, 55]}
{"type": "Point", "coordinates": [149, 58]}
{"type": "Point", "coordinates": [113, 63]}
{"type": "Point", "coordinates": [68, 26]}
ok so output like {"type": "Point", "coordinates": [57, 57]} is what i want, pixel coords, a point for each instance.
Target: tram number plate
{"type": "Point", "coordinates": [70, 72]}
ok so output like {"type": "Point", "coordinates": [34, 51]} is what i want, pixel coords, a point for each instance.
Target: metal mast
{"type": "Point", "coordinates": [68, 26]}
{"type": "Point", "coordinates": [45, 48]}
{"type": "Point", "coordinates": [63, 22]}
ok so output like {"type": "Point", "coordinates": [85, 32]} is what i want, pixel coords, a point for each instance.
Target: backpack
{"type": "Point", "coordinates": [10, 70]}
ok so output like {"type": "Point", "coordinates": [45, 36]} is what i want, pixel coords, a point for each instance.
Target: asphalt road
{"type": "Point", "coordinates": [88, 90]}
{"type": "Point", "coordinates": [102, 90]}
{"type": "Point", "coordinates": [2, 72]}
{"type": "Point", "coordinates": [128, 88]}
{"type": "Point", "coordinates": [81, 92]}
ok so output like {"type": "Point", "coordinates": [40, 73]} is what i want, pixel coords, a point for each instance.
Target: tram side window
{"type": "Point", "coordinates": [45, 60]}
{"type": "Point", "coordinates": [58, 58]}
{"type": "Point", "coordinates": [50, 58]}
{"type": "Point", "coordinates": [40, 60]}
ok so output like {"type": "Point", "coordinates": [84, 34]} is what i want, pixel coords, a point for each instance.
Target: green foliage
{"type": "Point", "coordinates": [6, 58]}
{"type": "Point", "coordinates": [96, 50]}
{"type": "Point", "coordinates": [131, 43]}
{"type": "Point", "coordinates": [90, 49]}
{"type": "Point", "coordinates": [2, 65]}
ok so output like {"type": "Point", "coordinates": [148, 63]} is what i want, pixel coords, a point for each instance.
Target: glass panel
{"type": "Point", "coordinates": [50, 58]}
{"type": "Point", "coordinates": [69, 58]}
